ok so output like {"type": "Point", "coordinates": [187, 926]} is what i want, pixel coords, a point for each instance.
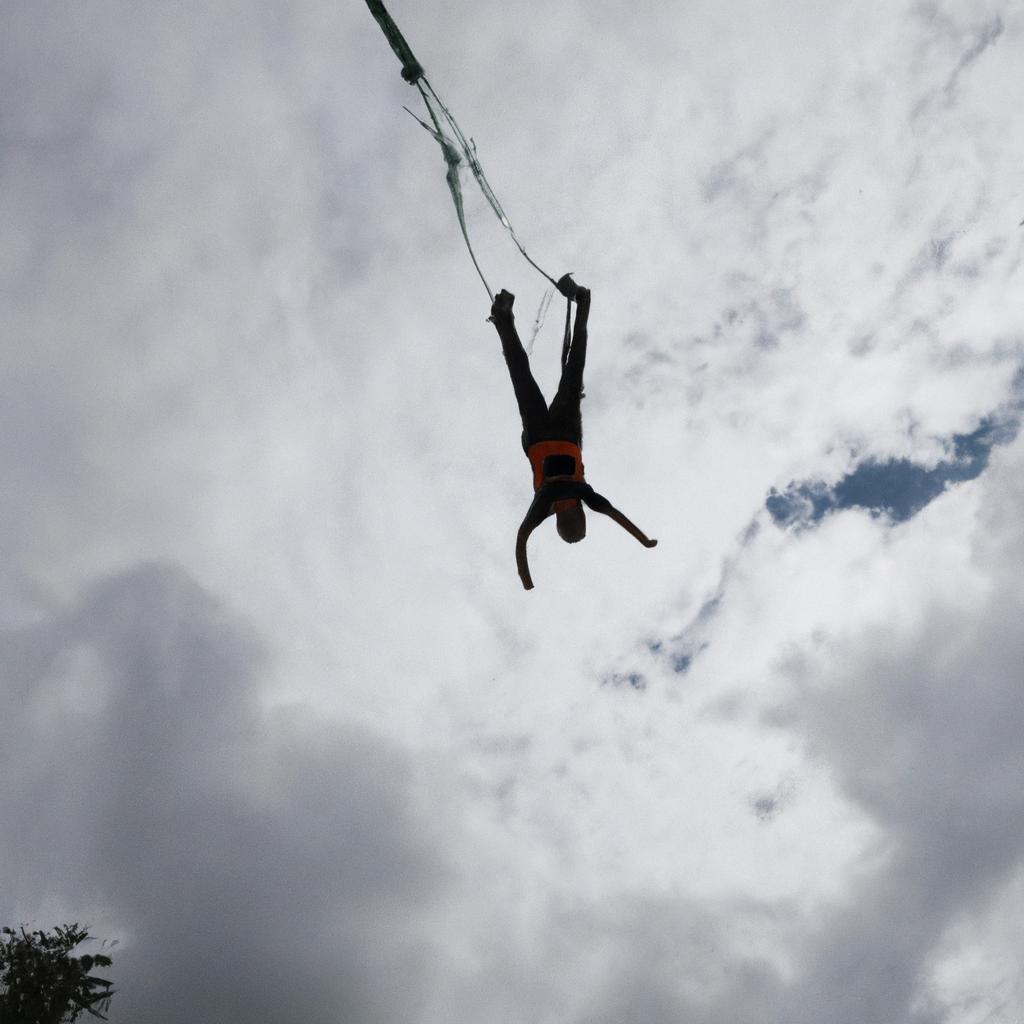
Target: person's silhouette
{"type": "Point", "coordinates": [553, 435]}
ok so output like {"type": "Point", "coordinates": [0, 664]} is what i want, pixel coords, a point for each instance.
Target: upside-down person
{"type": "Point", "coordinates": [552, 435]}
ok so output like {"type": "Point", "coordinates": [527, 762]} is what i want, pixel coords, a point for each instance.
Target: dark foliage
{"type": "Point", "coordinates": [42, 983]}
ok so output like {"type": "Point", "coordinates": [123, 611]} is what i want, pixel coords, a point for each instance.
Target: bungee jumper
{"type": "Point", "coordinates": [553, 434]}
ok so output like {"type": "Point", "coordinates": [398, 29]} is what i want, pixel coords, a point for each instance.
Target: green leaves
{"type": "Point", "coordinates": [42, 983]}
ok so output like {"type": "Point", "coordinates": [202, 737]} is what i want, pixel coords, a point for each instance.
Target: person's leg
{"type": "Point", "coordinates": [565, 409]}
{"type": "Point", "coordinates": [533, 409]}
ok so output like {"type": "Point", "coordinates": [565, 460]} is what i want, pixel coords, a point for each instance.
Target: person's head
{"type": "Point", "coordinates": [571, 524]}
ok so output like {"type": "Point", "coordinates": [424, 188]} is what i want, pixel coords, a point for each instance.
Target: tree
{"type": "Point", "coordinates": [42, 983]}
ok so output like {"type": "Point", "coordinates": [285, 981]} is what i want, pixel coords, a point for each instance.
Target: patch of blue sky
{"type": "Point", "coordinates": [896, 488]}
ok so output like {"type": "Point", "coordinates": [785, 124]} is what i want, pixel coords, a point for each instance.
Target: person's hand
{"type": "Point", "coordinates": [522, 565]}
{"type": "Point", "coordinates": [502, 304]}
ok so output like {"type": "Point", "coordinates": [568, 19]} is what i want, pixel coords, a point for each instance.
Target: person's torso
{"type": "Point", "coordinates": [556, 460]}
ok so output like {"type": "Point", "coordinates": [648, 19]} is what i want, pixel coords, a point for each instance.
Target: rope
{"type": "Point", "coordinates": [452, 159]}
{"type": "Point", "coordinates": [468, 148]}
{"type": "Point", "coordinates": [538, 321]}
{"type": "Point", "coordinates": [462, 149]}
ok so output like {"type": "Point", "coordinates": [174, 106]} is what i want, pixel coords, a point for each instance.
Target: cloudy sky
{"type": "Point", "coordinates": [278, 715]}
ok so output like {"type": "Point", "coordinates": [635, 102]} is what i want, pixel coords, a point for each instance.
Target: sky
{"type": "Point", "coordinates": [279, 717]}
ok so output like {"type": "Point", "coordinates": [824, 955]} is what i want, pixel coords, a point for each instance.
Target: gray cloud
{"type": "Point", "coordinates": [901, 737]}
{"type": "Point", "coordinates": [263, 866]}
{"type": "Point", "coordinates": [676, 961]}
{"type": "Point", "coordinates": [922, 729]}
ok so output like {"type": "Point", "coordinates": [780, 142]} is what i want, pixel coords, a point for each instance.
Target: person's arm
{"type": "Point", "coordinates": [539, 511]}
{"type": "Point", "coordinates": [522, 564]}
{"type": "Point", "coordinates": [601, 504]}
{"type": "Point", "coordinates": [542, 507]}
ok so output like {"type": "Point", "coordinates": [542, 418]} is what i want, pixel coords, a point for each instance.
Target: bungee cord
{"type": "Point", "coordinates": [456, 148]}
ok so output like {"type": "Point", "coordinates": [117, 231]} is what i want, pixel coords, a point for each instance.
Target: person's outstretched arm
{"type": "Point", "coordinates": [539, 511]}
{"type": "Point", "coordinates": [522, 564]}
{"type": "Point", "coordinates": [601, 504]}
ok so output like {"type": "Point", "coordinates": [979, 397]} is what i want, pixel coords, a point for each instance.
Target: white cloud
{"type": "Point", "coordinates": [243, 344]}
{"type": "Point", "coordinates": [260, 865]}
